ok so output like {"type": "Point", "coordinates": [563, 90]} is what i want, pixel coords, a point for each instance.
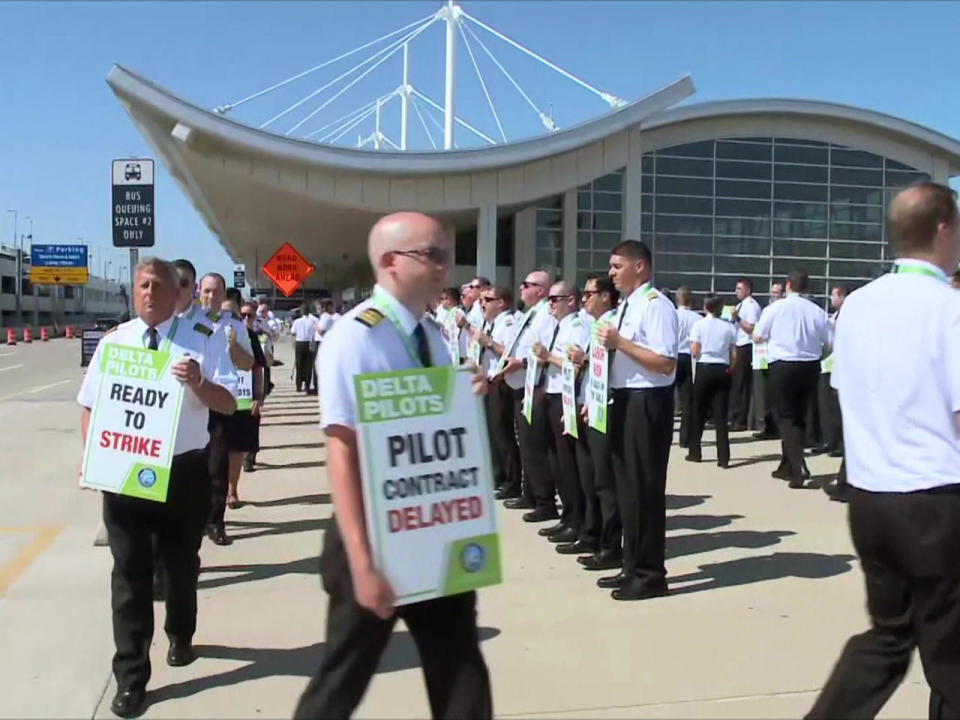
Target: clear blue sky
{"type": "Point", "coordinates": [60, 125]}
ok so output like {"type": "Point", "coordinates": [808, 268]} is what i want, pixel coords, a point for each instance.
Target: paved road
{"type": "Point", "coordinates": [765, 589]}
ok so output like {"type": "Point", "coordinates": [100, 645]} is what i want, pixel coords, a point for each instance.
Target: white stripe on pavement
{"type": "Point", "coordinates": [11, 367]}
{"type": "Point", "coordinates": [33, 391]}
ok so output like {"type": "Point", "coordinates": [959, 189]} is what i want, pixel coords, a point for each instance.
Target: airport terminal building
{"type": "Point", "coordinates": [716, 189]}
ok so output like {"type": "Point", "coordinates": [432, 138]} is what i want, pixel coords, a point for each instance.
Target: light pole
{"type": "Point", "coordinates": [17, 287]}
{"type": "Point", "coordinates": [36, 302]}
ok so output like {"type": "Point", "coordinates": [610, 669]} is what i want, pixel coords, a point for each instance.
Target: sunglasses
{"type": "Point", "coordinates": [590, 293]}
{"type": "Point", "coordinates": [558, 298]}
{"type": "Point", "coordinates": [436, 255]}
{"type": "Point", "coordinates": [247, 315]}
{"type": "Point", "coordinates": [527, 284]}
{"type": "Point", "coordinates": [488, 299]}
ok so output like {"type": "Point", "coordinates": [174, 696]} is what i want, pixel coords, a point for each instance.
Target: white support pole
{"type": "Point", "coordinates": [405, 98]}
{"type": "Point", "coordinates": [487, 242]}
{"type": "Point", "coordinates": [451, 16]}
{"type": "Point", "coordinates": [376, 132]}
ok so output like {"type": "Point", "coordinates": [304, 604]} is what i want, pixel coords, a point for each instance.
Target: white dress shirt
{"type": "Point", "coordinates": [748, 310]}
{"type": "Point", "coordinates": [475, 315]}
{"type": "Point", "coordinates": [649, 320]}
{"type": "Point", "coordinates": [304, 328]}
{"type": "Point", "coordinates": [354, 348]}
{"type": "Point", "coordinates": [686, 319]}
{"type": "Point", "coordinates": [716, 337]}
{"type": "Point", "coordinates": [502, 332]}
{"type": "Point", "coordinates": [794, 328]}
{"type": "Point", "coordinates": [208, 348]}
{"type": "Point", "coordinates": [571, 331]}
{"type": "Point", "coordinates": [539, 323]}
{"type": "Point", "coordinates": [224, 319]}
{"type": "Point", "coordinates": [897, 371]}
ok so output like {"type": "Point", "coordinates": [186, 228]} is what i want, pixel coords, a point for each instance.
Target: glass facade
{"type": "Point", "coordinates": [758, 207]}
{"type": "Point", "coordinates": [549, 239]}
{"type": "Point", "coordinates": [599, 224]}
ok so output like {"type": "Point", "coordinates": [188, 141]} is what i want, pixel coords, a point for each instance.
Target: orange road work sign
{"type": "Point", "coordinates": [287, 269]}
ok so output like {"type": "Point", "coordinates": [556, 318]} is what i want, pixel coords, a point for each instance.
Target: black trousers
{"type": "Point", "coordinates": [534, 437]}
{"type": "Point", "coordinates": [907, 543]}
{"type": "Point", "coordinates": [742, 382]}
{"type": "Point", "coordinates": [641, 428]}
{"type": "Point", "coordinates": [762, 413]}
{"type": "Point", "coordinates": [711, 391]}
{"type": "Point", "coordinates": [792, 384]}
{"type": "Point", "coordinates": [684, 395]}
{"type": "Point", "coordinates": [303, 364]}
{"type": "Point", "coordinates": [312, 357]}
{"type": "Point", "coordinates": [601, 483]}
{"type": "Point", "coordinates": [563, 450]}
{"type": "Point", "coordinates": [813, 434]}
{"type": "Point", "coordinates": [177, 524]}
{"type": "Point", "coordinates": [831, 420]}
{"type": "Point", "coordinates": [444, 630]}
{"type": "Point", "coordinates": [218, 468]}
{"type": "Point", "coordinates": [503, 438]}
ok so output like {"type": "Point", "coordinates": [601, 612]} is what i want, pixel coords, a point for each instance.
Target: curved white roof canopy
{"type": "Point", "coordinates": [256, 189]}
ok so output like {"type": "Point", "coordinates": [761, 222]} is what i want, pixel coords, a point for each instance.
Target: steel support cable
{"type": "Point", "coordinates": [611, 99]}
{"type": "Point", "coordinates": [483, 85]}
{"type": "Point", "coordinates": [349, 123]}
{"type": "Point", "coordinates": [397, 45]}
{"type": "Point", "coordinates": [547, 121]}
{"type": "Point", "coordinates": [388, 49]}
{"type": "Point", "coordinates": [229, 106]}
{"type": "Point", "coordinates": [467, 125]}
{"type": "Point", "coordinates": [349, 115]}
{"type": "Point", "coordinates": [416, 107]}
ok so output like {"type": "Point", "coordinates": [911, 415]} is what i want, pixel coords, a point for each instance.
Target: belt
{"type": "Point", "coordinates": [634, 391]}
{"type": "Point", "coordinates": [189, 454]}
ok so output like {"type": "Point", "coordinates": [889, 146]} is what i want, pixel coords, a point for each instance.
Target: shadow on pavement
{"type": "Point", "coordinates": [296, 422]}
{"type": "Point", "coordinates": [318, 499]}
{"type": "Point", "coordinates": [259, 571]}
{"type": "Point", "coordinates": [294, 446]}
{"type": "Point", "coordinates": [263, 466]}
{"type": "Point", "coordinates": [291, 412]}
{"type": "Point", "coordinates": [707, 542]}
{"type": "Point", "coordinates": [680, 502]}
{"type": "Point", "coordinates": [754, 460]}
{"type": "Point", "coordinates": [775, 566]}
{"type": "Point", "coordinates": [266, 529]}
{"type": "Point", "coordinates": [400, 654]}
{"type": "Point", "coordinates": [700, 522]}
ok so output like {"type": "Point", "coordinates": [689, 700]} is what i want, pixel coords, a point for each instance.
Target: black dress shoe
{"type": "Point", "coordinates": [128, 702]}
{"type": "Point", "coordinates": [738, 427]}
{"type": "Point", "coordinates": [692, 458]}
{"type": "Point", "coordinates": [180, 653]}
{"type": "Point", "coordinates": [503, 494]}
{"type": "Point", "coordinates": [780, 474]}
{"type": "Point", "coordinates": [723, 464]}
{"type": "Point", "coordinates": [218, 535]}
{"type": "Point", "coordinates": [567, 535]}
{"type": "Point", "coordinates": [613, 581]}
{"type": "Point", "coordinates": [576, 548]}
{"type": "Point", "coordinates": [765, 436]}
{"type": "Point", "coordinates": [248, 465]}
{"type": "Point", "coordinates": [603, 560]}
{"type": "Point", "coordinates": [796, 484]}
{"type": "Point", "coordinates": [819, 450]}
{"type": "Point", "coordinates": [535, 516]}
{"type": "Point", "coordinates": [553, 529]}
{"type": "Point", "coordinates": [520, 503]}
{"type": "Point", "coordinates": [836, 452]}
{"type": "Point", "coordinates": [640, 591]}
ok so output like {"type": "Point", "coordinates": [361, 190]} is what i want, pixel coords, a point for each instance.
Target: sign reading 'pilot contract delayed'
{"type": "Point", "coordinates": [427, 482]}
{"type": "Point", "coordinates": [133, 423]}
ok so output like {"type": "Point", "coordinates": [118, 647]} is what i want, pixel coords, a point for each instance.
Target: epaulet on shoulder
{"type": "Point", "coordinates": [214, 316]}
{"type": "Point", "coordinates": [203, 329]}
{"type": "Point", "coordinates": [111, 330]}
{"type": "Point", "coordinates": [653, 293]}
{"type": "Point", "coordinates": [369, 317]}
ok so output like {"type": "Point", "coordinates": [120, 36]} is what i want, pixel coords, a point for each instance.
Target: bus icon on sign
{"type": "Point", "coordinates": [131, 171]}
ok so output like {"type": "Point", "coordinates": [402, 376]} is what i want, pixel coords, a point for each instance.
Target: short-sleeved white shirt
{"type": "Point", "coordinates": [208, 348]}
{"type": "Point", "coordinates": [748, 310]}
{"type": "Point", "coordinates": [539, 324]}
{"type": "Point", "coordinates": [502, 332]}
{"type": "Point", "coordinates": [475, 315]}
{"type": "Point", "coordinates": [649, 320]}
{"type": "Point", "coordinates": [572, 331]}
{"type": "Point", "coordinates": [353, 347]}
{"type": "Point", "coordinates": [897, 373]}
{"type": "Point", "coordinates": [686, 319]}
{"type": "Point", "coordinates": [715, 337]}
{"type": "Point", "coordinates": [223, 319]}
{"type": "Point", "coordinates": [303, 328]}
{"type": "Point", "coordinates": [794, 328]}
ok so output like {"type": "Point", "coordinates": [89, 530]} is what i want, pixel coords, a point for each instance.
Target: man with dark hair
{"type": "Point", "coordinates": [303, 329]}
{"type": "Point", "coordinates": [762, 410]}
{"type": "Point", "coordinates": [642, 371]}
{"type": "Point", "coordinates": [686, 318]}
{"type": "Point", "coordinates": [898, 377]}
{"type": "Point", "coordinates": [744, 318]}
{"type": "Point", "coordinates": [471, 303]}
{"type": "Point", "coordinates": [796, 332]}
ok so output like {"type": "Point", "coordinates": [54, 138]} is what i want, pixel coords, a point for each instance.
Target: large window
{"type": "Point", "coordinates": [718, 209]}
{"type": "Point", "coordinates": [549, 247]}
{"type": "Point", "coordinates": [599, 224]}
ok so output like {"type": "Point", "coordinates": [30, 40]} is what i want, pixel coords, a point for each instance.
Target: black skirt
{"type": "Point", "coordinates": [242, 431]}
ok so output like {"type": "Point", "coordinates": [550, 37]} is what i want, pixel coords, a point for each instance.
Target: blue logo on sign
{"type": "Point", "coordinates": [473, 557]}
{"type": "Point", "coordinates": [147, 478]}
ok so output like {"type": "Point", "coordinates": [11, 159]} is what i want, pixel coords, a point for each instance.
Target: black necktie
{"type": "Point", "coordinates": [154, 342]}
{"type": "Point", "coordinates": [543, 368]}
{"type": "Point", "coordinates": [612, 352]}
{"type": "Point", "coordinates": [487, 327]}
{"type": "Point", "coordinates": [423, 347]}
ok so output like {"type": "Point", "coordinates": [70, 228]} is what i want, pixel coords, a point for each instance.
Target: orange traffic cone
{"type": "Point", "coordinates": [11, 336]}
{"type": "Point", "coordinates": [27, 335]}
{"type": "Point", "coordinates": [69, 332]}
{"type": "Point", "coordinates": [44, 334]}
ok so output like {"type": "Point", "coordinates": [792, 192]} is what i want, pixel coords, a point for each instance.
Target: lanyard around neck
{"type": "Point", "coordinates": [384, 306]}
{"type": "Point", "coordinates": [165, 345]}
{"type": "Point", "coordinates": [907, 268]}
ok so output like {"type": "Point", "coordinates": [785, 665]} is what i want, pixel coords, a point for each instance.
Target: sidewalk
{"type": "Point", "coordinates": [765, 592]}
